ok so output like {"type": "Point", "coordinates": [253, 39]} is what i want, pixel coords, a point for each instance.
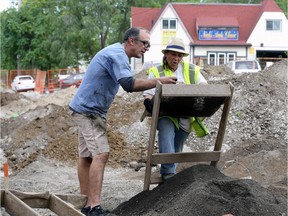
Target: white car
{"type": "Point", "coordinates": [244, 66]}
{"type": "Point", "coordinates": [23, 83]}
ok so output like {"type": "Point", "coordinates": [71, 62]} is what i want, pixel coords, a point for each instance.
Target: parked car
{"type": "Point", "coordinates": [72, 80]}
{"type": "Point", "coordinates": [62, 76]}
{"type": "Point", "coordinates": [244, 66]}
{"type": "Point", "coordinates": [23, 83]}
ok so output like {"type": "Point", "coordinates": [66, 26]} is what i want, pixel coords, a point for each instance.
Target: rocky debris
{"type": "Point", "coordinates": [204, 190]}
{"type": "Point", "coordinates": [258, 107]}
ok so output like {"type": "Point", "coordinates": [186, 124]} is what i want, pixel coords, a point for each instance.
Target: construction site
{"type": "Point", "coordinates": [246, 151]}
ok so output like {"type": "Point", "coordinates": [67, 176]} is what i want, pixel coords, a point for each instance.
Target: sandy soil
{"type": "Point", "coordinates": [39, 140]}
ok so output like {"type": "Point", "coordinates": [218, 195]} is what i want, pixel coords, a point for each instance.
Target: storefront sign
{"type": "Point", "coordinates": [218, 34]}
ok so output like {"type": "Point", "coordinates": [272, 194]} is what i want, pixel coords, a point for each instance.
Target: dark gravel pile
{"type": "Point", "coordinates": [203, 190]}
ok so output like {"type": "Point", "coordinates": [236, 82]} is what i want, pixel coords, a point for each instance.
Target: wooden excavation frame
{"type": "Point", "coordinates": [18, 203]}
{"type": "Point", "coordinates": [182, 100]}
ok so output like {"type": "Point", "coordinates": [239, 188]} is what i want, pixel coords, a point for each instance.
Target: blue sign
{"type": "Point", "coordinates": [218, 34]}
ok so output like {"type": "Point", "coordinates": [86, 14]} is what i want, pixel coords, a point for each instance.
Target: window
{"type": "Point", "coordinates": [221, 58]}
{"type": "Point", "coordinates": [169, 24]}
{"type": "Point", "coordinates": [25, 78]}
{"type": "Point", "coordinates": [212, 58]}
{"type": "Point", "coordinates": [231, 57]}
{"type": "Point", "coordinates": [273, 25]}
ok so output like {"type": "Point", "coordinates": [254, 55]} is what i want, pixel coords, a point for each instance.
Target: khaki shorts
{"type": "Point", "coordinates": [92, 136]}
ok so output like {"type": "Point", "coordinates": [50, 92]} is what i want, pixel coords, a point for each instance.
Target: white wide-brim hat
{"type": "Point", "coordinates": [176, 45]}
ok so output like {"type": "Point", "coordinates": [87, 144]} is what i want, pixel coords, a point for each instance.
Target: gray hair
{"type": "Point", "coordinates": [133, 33]}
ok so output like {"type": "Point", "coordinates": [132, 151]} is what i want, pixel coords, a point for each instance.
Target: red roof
{"type": "Point", "coordinates": [244, 16]}
{"type": "Point", "coordinates": [270, 6]}
{"type": "Point", "coordinates": [217, 22]}
{"type": "Point", "coordinates": [144, 17]}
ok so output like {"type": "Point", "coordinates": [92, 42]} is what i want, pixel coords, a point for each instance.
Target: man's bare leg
{"type": "Point", "coordinates": [83, 174]}
{"type": "Point", "coordinates": [96, 174]}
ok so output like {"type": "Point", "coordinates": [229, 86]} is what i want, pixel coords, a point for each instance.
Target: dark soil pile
{"type": "Point", "coordinates": [202, 190]}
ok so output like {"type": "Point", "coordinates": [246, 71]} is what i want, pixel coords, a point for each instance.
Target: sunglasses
{"type": "Point", "coordinates": [145, 43]}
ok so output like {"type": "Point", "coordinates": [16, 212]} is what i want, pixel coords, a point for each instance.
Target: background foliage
{"type": "Point", "coordinates": [48, 34]}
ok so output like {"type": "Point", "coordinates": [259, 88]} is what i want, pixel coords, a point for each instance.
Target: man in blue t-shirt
{"type": "Point", "coordinates": [108, 70]}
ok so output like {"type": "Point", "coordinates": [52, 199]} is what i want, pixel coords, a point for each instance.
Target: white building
{"type": "Point", "coordinates": [216, 33]}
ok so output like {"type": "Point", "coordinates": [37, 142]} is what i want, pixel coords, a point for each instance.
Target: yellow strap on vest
{"type": "Point", "coordinates": [199, 128]}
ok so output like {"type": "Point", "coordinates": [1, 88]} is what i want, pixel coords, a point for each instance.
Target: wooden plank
{"type": "Point", "coordinates": [155, 180]}
{"type": "Point", "coordinates": [154, 122]}
{"type": "Point", "coordinates": [77, 200]}
{"type": "Point", "coordinates": [2, 197]}
{"type": "Point", "coordinates": [32, 199]}
{"type": "Point", "coordinates": [223, 124]}
{"type": "Point", "coordinates": [42, 199]}
{"type": "Point", "coordinates": [14, 206]}
{"type": "Point", "coordinates": [61, 208]}
{"type": "Point", "coordinates": [161, 158]}
{"type": "Point", "coordinates": [182, 90]}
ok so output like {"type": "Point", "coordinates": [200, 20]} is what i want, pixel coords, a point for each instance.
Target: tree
{"type": "Point", "coordinates": [26, 35]}
{"type": "Point", "coordinates": [9, 38]}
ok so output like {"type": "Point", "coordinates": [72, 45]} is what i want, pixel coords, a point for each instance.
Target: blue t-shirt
{"type": "Point", "coordinates": [100, 83]}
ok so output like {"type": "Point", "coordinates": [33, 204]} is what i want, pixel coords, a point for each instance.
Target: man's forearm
{"type": "Point", "coordinates": [144, 84]}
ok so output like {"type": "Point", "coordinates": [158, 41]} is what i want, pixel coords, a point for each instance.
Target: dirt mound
{"type": "Point", "coordinates": [204, 190]}
{"type": "Point", "coordinates": [7, 97]}
{"type": "Point", "coordinates": [49, 130]}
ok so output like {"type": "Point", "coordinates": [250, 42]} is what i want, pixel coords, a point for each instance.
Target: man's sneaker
{"type": "Point", "coordinates": [99, 211]}
{"type": "Point", "coordinates": [166, 176]}
{"type": "Point", "coordinates": [85, 210]}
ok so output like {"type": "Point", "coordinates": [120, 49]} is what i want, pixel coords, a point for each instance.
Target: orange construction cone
{"type": "Point", "coordinates": [6, 173]}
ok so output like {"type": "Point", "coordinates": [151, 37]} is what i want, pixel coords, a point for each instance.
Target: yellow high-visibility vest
{"type": "Point", "coordinates": [190, 73]}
